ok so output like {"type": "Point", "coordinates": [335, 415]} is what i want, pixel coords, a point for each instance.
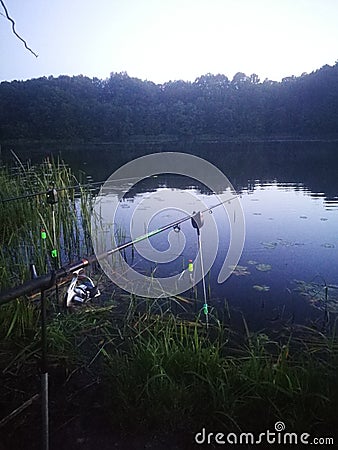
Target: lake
{"type": "Point", "coordinates": [288, 270]}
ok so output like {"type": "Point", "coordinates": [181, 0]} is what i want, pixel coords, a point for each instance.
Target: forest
{"type": "Point", "coordinates": [121, 107]}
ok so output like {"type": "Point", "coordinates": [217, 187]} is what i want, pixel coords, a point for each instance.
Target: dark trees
{"type": "Point", "coordinates": [121, 106]}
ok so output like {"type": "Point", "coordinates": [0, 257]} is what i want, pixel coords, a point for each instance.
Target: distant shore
{"type": "Point", "coordinates": [159, 139]}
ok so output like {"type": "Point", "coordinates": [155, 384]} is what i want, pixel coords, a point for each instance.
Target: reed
{"type": "Point", "coordinates": [65, 226]}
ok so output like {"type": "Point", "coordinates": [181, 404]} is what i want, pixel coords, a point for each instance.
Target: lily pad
{"type": "Point", "coordinates": [263, 267]}
{"type": "Point", "coordinates": [252, 262]}
{"type": "Point", "coordinates": [327, 245]}
{"type": "Point", "coordinates": [284, 243]}
{"type": "Point", "coordinates": [239, 270]}
{"type": "Point", "coordinates": [270, 245]}
{"type": "Point", "coordinates": [261, 288]}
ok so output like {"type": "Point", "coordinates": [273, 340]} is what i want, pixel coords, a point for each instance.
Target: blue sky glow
{"type": "Point", "coordinates": [162, 40]}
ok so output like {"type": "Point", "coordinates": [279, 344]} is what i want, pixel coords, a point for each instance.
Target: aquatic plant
{"type": "Point", "coordinates": [252, 262]}
{"type": "Point", "coordinates": [323, 297]}
{"type": "Point", "coordinates": [261, 288]}
{"type": "Point", "coordinates": [269, 245]}
{"type": "Point", "coordinates": [239, 270]}
{"type": "Point", "coordinates": [263, 267]}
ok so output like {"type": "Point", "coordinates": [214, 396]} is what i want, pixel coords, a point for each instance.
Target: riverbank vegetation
{"type": "Point", "coordinates": [135, 378]}
{"type": "Point", "coordinates": [31, 227]}
{"type": "Point", "coordinates": [122, 107]}
{"type": "Point", "coordinates": [129, 372]}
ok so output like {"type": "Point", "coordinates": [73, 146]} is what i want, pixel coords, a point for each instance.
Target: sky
{"type": "Point", "coordinates": [167, 40]}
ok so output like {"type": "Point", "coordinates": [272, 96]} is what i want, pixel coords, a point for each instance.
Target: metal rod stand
{"type": "Point", "coordinates": [44, 375]}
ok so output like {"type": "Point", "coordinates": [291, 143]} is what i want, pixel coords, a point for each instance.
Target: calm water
{"type": "Point", "coordinates": [289, 194]}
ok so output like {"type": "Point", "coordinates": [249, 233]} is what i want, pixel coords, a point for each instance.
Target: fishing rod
{"type": "Point", "coordinates": [75, 186]}
{"type": "Point", "coordinates": [66, 188]}
{"type": "Point", "coordinates": [44, 281]}
{"type": "Point", "coordinates": [38, 194]}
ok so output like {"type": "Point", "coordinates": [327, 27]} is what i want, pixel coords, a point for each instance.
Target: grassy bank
{"type": "Point", "coordinates": [174, 376]}
{"type": "Point", "coordinates": [135, 376]}
{"type": "Point", "coordinates": [127, 375]}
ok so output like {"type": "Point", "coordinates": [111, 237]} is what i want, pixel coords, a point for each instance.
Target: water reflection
{"type": "Point", "coordinates": [308, 165]}
{"type": "Point", "coordinates": [289, 193]}
{"type": "Point", "coordinates": [291, 241]}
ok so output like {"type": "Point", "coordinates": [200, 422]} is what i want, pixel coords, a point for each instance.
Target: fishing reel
{"type": "Point", "coordinates": [81, 290]}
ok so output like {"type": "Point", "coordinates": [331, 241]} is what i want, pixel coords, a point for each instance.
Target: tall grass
{"type": "Point", "coordinates": [22, 221]}
{"type": "Point", "coordinates": [172, 375]}
{"type": "Point", "coordinates": [162, 373]}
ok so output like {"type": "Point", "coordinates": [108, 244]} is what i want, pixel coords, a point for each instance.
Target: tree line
{"type": "Point", "coordinates": [120, 106]}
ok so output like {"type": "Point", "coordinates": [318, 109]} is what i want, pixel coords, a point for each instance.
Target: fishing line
{"type": "Point", "coordinates": [197, 221]}
{"type": "Point", "coordinates": [205, 305]}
